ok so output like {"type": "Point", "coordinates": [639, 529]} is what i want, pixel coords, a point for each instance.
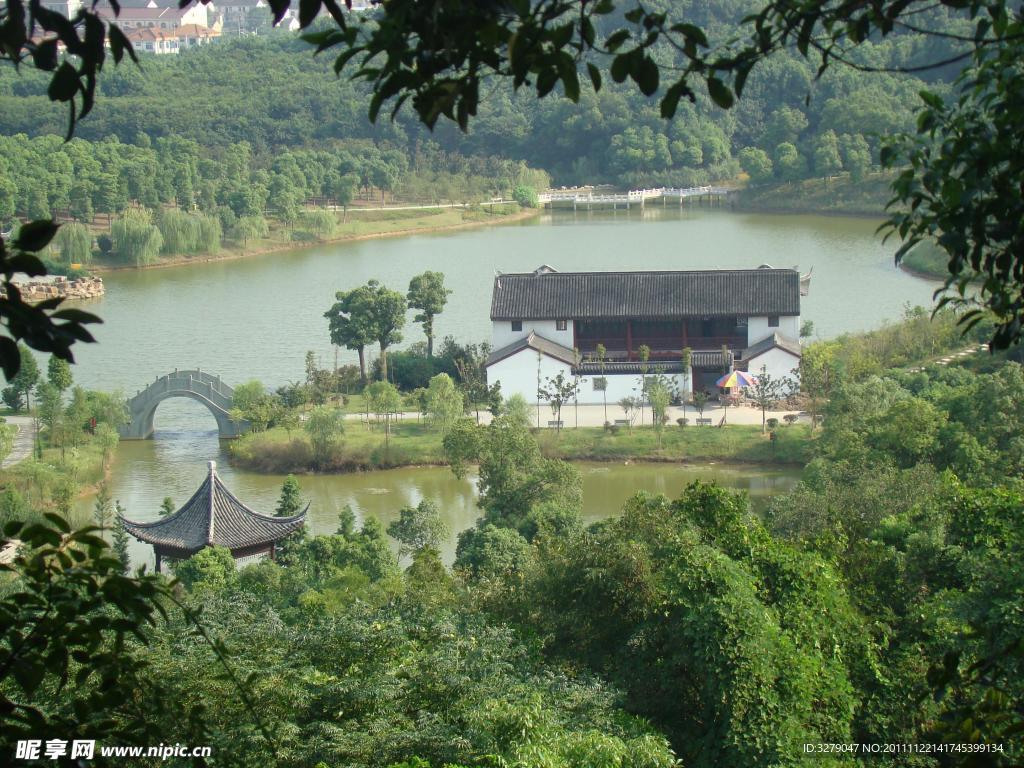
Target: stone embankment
{"type": "Point", "coordinates": [58, 286]}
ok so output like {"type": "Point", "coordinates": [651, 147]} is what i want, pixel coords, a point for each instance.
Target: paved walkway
{"type": "Point", "coordinates": [594, 415]}
{"type": "Point", "coordinates": [24, 440]}
{"type": "Point", "coordinates": [952, 357]}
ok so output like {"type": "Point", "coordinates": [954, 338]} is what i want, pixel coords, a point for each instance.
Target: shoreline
{"type": "Point", "coordinates": [365, 469]}
{"type": "Point", "coordinates": [182, 261]}
{"type": "Point", "coordinates": [740, 208]}
{"type": "Point", "coordinates": [920, 274]}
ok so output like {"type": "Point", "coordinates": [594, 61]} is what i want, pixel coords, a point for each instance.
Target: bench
{"type": "Point", "coordinates": [558, 424]}
{"type": "Point", "coordinates": [622, 422]}
{"type": "Point", "coordinates": [703, 422]}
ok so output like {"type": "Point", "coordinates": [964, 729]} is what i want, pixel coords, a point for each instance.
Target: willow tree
{"type": "Point", "coordinates": [135, 237]}
{"type": "Point", "coordinates": [75, 243]}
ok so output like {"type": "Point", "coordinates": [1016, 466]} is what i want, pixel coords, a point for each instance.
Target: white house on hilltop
{"type": "Point", "coordinates": [547, 322]}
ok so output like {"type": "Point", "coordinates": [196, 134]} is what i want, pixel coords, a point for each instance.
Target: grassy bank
{"type": "Point", "coordinates": [926, 260]}
{"type": "Point", "coordinates": [838, 195]}
{"type": "Point", "coordinates": [278, 452]}
{"type": "Point", "coordinates": [52, 482]}
{"type": "Point", "coordinates": [357, 224]}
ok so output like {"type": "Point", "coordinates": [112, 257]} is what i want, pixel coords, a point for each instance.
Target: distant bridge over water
{"type": "Point", "coordinates": [587, 197]}
{"type": "Point", "coordinates": [196, 385]}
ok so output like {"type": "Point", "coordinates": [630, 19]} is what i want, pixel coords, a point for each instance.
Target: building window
{"type": "Point", "coordinates": [517, 325]}
{"type": "Point", "coordinates": [773, 321]}
{"type": "Point", "coordinates": [561, 325]}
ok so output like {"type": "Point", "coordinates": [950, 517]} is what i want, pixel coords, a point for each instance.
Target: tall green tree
{"type": "Point", "coordinates": [418, 528]}
{"type": "Point", "coordinates": [384, 399]}
{"type": "Point", "coordinates": [58, 373]}
{"type": "Point", "coordinates": [27, 377]}
{"type": "Point", "coordinates": [119, 539]}
{"type": "Point", "coordinates": [428, 294]}
{"type": "Point", "coordinates": [385, 313]}
{"type": "Point", "coordinates": [290, 501]}
{"type": "Point", "coordinates": [444, 405]}
{"type": "Point", "coordinates": [326, 429]}
{"type": "Point", "coordinates": [659, 395]}
{"type": "Point", "coordinates": [515, 479]}
{"type": "Point", "coordinates": [350, 325]}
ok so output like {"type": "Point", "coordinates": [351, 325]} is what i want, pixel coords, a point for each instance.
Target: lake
{"type": "Point", "coordinates": [255, 318]}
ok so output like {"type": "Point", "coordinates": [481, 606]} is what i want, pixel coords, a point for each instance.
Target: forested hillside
{"type": "Point", "coordinates": [273, 93]}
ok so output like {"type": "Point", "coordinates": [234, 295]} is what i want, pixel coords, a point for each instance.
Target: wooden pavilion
{"type": "Point", "coordinates": [213, 517]}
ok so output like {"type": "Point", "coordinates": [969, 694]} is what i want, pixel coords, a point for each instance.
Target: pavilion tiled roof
{"type": "Point", "coordinates": [214, 517]}
{"type": "Point", "coordinates": [550, 295]}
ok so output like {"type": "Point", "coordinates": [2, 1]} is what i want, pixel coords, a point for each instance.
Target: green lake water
{"type": "Point", "coordinates": [255, 318]}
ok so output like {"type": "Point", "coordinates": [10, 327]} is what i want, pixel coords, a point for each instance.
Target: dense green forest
{"type": "Point", "coordinates": [272, 93]}
{"type": "Point", "coordinates": [175, 196]}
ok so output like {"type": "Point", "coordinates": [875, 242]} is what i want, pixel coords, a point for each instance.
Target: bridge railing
{"type": "Point", "coordinates": [639, 195]}
{"type": "Point", "coordinates": [195, 381]}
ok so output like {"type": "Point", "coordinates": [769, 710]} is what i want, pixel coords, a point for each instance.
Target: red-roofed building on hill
{"type": "Point", "coordinates": [160, 41]}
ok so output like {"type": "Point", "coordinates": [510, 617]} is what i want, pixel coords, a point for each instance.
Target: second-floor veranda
{"type": "Point", "coordinates": [623, 339]}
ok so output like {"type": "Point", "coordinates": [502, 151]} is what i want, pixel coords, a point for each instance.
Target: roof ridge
{"type": "Point", "coordinates": [213, 488]}
{"type": "Point", "coordinates": [726, 270]}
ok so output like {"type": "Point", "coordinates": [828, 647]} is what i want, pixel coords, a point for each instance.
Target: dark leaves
{"type": "Point", "coordinates": [36, 235]}
{"type": "Point", "coordinates": [308, 9]}
{"type": "Point", "coordinates": [64, 84]}
{"type": "Point", "coordinates": [720, 93]}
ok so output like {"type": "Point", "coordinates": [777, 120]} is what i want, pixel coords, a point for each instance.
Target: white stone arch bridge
{"type": "Point", "coordinates": [197, 385]}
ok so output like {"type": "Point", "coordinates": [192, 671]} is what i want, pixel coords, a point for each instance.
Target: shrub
{"type": "Point", "coordinates": [772, 424]}
{"type": "Point", "coordinates": [791, 418]}
{"type": "Point", "coordinates": [682, 421]}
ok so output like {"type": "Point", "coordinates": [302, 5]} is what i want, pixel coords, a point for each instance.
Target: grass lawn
{"type": "Point", "coordinates": [410, 443]}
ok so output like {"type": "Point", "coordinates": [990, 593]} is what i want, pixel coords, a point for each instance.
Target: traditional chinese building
{"type": "Point", "coordinates": [547, 322]}
{"type": "Point", "coordinates": [213, 517]}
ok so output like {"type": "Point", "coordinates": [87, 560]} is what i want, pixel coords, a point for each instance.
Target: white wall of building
{"type": "Point", "coordinates": [777, 362]}
{"type": "Point", "coordinates": [502, 334]}
{"type": "Point", "coordinates": [518, 375]}
{"type": "Point", "coordinates": [757, 328]}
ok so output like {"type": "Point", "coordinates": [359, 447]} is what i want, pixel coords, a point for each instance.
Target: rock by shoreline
{"type": "Point", "coordinates": [58, 286]}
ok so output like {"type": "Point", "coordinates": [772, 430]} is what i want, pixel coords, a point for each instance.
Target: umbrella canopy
{"type": "Point", "coordinates": [736, 379]}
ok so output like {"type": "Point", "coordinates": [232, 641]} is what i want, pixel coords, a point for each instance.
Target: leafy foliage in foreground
{"type": "Point", "coordinates": [70, 627]}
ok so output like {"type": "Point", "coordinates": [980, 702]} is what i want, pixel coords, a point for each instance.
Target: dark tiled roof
{"type": "Point", "coordinates": [535, 342]}
{"type": "Point", "coordinates": [652, 295]}
{"type": "Point", "coordinates": [214, 517]}
{"type": "Point", "coordinates": [775, 340]}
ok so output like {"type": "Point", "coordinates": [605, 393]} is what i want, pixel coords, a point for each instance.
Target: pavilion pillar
{"type": "Point", "coordinates": [271, 552]}
{"type": "Point", "coordinates": [157, 552]}
{"type": "Point", "coordinates": [629, 339]}
{"type": "Point", "coordinates": [686, 340]}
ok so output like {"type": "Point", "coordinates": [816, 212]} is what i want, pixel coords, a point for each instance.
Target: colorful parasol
{"type": "Point", "coordinates": [736, 379]}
